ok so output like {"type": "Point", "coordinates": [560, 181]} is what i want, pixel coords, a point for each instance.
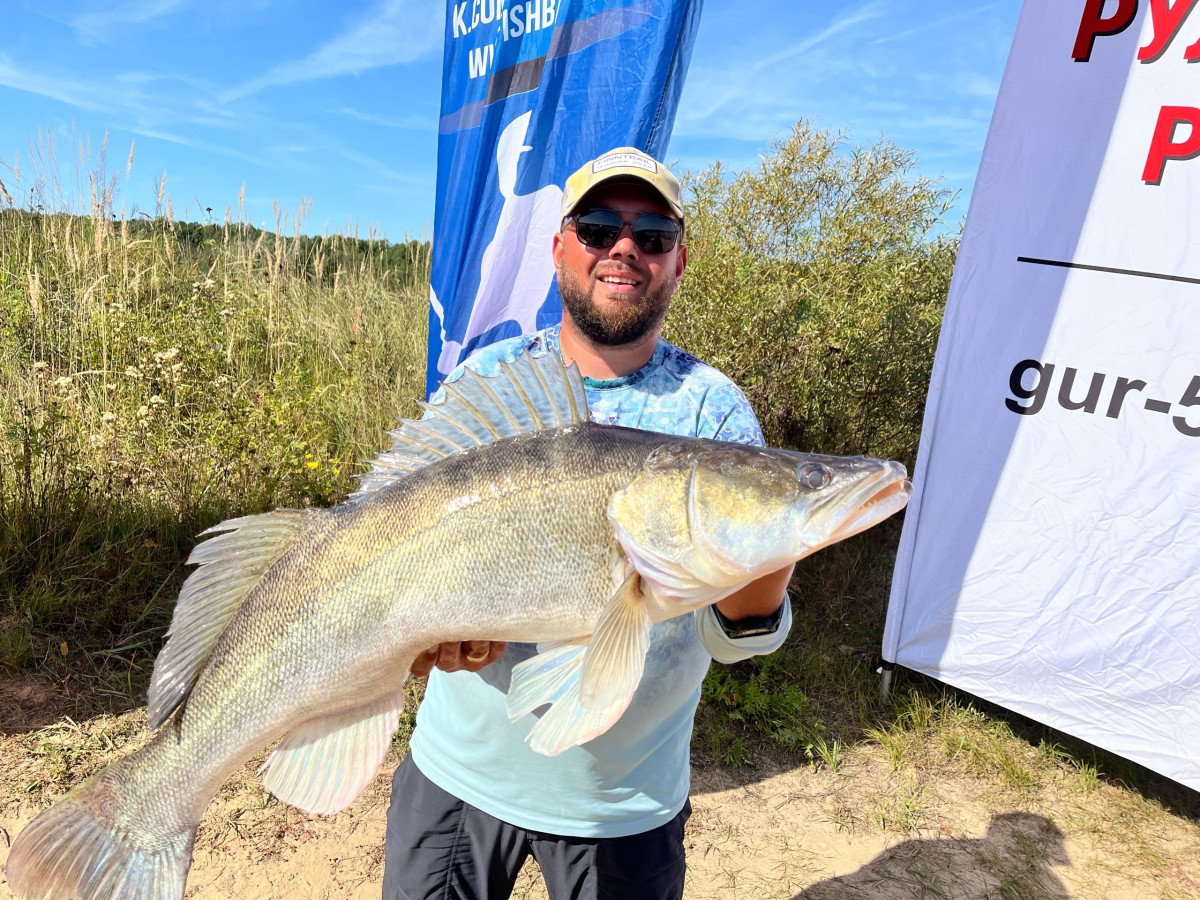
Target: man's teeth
{"type": "Point", "coordinates": [616, 279]}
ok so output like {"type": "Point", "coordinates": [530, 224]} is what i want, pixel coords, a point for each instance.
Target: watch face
{"type": "Point", "coordinates": [754, 629]}
{"type": "Point", "coordinates": [752, 626]}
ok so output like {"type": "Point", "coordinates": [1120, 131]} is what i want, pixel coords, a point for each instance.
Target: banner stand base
{"type": "Point", "coordinates": [885, 682]}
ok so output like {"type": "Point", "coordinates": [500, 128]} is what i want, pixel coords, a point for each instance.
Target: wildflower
{"type": "Point", "coordinates": [131, 372]}
{"type": "Point", "coordinates": [63, 382]}
{"type": "Point", "coordinates": [156, 400]}
{"type": "Point", "coordinates": [143, 411]}
{"type": "Point", "coordinates": [312, 465]}
{"type": "Point", "coordinates": [40, 366]}
{"type": "Point", "coordinates": [108, 418]}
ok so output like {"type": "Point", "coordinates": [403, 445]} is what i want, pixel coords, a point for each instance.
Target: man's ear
{"type": "Point", "coordinates": [557, 249]}
{"type": "Point", "coordinates": [680, 263]}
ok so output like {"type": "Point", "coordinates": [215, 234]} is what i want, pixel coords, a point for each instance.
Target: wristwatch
{"type": "Point", "coordinates": [751, 626]}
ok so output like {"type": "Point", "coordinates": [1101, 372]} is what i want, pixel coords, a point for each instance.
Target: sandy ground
{"type": "Point", "coordinates": [760, 832]}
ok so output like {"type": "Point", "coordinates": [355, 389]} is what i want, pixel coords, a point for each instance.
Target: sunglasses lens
{"type": "Point", "coordinates": [655, 234]}
{"type": "Point", "coordinates": [601, 228]}
{"type": "Point", "coordinates": [598, 228]}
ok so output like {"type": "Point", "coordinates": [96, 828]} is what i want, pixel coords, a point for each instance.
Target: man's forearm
{"type": "Point", "coordinates": [760, 597]}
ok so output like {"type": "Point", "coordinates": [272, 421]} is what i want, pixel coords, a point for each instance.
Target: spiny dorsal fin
{"type": "Point", "coordinates": [528, 395]}
{"type": "Point", "coordinates": [230, 565]}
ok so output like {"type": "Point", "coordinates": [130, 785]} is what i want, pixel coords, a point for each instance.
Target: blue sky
{"type": "Point", "coordinates": [337, 103]}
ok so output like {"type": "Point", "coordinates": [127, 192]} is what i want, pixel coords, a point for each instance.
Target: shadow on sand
{"type": "Point", "coordinates": [1012, 860]}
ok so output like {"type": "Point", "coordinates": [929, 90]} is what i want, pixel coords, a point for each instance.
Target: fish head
{"type": "Point", "coordinates": [720, 514]}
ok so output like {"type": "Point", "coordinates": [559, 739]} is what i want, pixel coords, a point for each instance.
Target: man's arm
{"type": "Point", "coordinates": [761, 597]}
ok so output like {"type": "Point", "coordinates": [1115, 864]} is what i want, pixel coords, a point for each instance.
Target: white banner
{"type": "Point", "coordinates": [1050, 560]}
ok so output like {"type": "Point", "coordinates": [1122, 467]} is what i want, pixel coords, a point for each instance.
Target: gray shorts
{"type": "Point", "coordinates": [440, 848]}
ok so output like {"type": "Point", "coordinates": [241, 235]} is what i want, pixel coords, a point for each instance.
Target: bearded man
{"type": "Point", "coordinates": [604, 819]}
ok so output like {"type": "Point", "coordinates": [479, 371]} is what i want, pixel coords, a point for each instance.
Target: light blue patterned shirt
{"type": "Point", "coordinates": [635, 776]}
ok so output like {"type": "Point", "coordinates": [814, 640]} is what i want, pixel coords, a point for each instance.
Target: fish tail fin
{"type": "Point", "coordinates": [80, 848]}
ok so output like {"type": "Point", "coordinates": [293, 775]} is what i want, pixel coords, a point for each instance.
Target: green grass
{"type": "Point", "coordinates": [155, 379]}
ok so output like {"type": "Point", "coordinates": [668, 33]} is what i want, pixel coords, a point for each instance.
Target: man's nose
{"type": "Point", "coordinates": [624, 245]}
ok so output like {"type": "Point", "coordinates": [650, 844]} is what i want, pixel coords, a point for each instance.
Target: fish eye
{"type": "Point", "coordinates": [814, 476]}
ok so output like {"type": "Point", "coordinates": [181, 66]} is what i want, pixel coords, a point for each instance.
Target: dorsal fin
{"type": "Point", "coordinates": [230, 565]}
{"type": "Point", "coordinates": [528, 395]}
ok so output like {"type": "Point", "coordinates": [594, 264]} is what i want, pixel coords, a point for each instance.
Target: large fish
{"type": "Point", "coordinates": [504, 514]}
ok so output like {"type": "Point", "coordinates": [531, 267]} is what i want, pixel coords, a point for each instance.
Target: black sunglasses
{"type": "Point", "coordinates": [601, 228]}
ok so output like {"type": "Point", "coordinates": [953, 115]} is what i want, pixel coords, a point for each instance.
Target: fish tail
{"type": "Point", "coordinates": [82, 849]}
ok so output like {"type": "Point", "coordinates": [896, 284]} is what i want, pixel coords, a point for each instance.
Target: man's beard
{"type": "Point", "coordinates": [627, 324]}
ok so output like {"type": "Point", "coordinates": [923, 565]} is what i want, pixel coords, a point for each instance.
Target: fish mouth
{"type": "Point", "coordinates": [879, 495]}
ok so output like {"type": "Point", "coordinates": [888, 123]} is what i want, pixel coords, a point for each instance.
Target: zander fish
{"type": "Point", "coordinates": [504, 514]}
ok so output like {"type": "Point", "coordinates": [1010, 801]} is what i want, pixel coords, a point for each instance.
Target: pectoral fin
{"type": "Point", "coordinates": [588, 685]}
{"type": "Point", "coordinates": [544, 678]}
{"type": "Point", "coordinates": [616, 654]}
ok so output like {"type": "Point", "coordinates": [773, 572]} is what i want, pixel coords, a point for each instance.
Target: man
{"type": "Point", "coordinates": [605, 819]}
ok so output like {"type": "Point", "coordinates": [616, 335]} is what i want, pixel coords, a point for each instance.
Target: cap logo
{"type": "Point", "coordinates": [624, 160]}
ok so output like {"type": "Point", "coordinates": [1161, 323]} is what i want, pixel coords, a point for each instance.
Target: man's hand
{"type": "Point", "coordinates": [456, 656]}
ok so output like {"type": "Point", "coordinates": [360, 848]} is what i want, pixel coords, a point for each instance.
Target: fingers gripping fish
{"type": "Point", "coordinates": [504, 514]}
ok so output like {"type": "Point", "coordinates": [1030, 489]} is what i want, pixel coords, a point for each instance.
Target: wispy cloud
{"type": "Point", "coordinates": [56, 86]}
{"type": "Point", "coordinates": [377, 168]}
{"type": "Point", "coordinates": [125, 107]}
{"type": "Point", "coordinates": [136, 12]}
{"type": "Point", "coordinates": [394, 32]}
{"type": "Point", "coordinates": [411, 122]}
{"type": "Point", "coordinates": [732, 88]}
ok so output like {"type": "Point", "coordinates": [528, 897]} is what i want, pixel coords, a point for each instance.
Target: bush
{"type": "Point", "coordinates": [817, 283]}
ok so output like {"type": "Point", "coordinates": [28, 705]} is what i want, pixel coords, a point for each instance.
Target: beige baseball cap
{"type": "Point", "coordinates": [623, 163]}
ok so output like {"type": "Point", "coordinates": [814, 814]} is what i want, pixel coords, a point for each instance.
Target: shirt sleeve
{"type": "Point", "coordinates": [725, 649]}
{"type": "Point", "coordinates": [728, 416]}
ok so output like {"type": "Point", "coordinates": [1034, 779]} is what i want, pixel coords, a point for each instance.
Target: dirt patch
{"type": "Point", "coordinates": [803, 833]}
{"type": "Point", "coordinates": [27, 703]}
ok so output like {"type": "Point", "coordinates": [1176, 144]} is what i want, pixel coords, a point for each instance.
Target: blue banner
{"type": "Point", "coordinates": [530, 92]}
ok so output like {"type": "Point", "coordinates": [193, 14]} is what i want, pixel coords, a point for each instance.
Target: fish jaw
{"type": "Point", "coordinates": [883, 491]}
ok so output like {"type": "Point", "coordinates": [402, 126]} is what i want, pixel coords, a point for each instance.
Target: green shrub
{"type": "Point", "coordinates": [817, 283]}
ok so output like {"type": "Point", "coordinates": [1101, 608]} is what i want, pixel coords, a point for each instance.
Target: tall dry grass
{"type": "Point", "coordinates": [156, 378]}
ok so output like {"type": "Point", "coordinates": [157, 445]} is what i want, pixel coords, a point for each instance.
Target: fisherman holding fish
{"type": "Point", "coordinates": [605, 819]}
{"type": "Point", "coordinates": [514, 511]}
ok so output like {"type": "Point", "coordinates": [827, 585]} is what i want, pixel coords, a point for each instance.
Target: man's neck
{"type": "Point", "coordinates": [601, 362]}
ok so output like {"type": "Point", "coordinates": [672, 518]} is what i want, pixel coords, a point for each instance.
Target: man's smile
{"type": "Point", "coordinates": [619, 282]}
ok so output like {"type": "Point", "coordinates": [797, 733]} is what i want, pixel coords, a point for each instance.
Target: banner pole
{"type": "Point", "coordinates": [885, 682]}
